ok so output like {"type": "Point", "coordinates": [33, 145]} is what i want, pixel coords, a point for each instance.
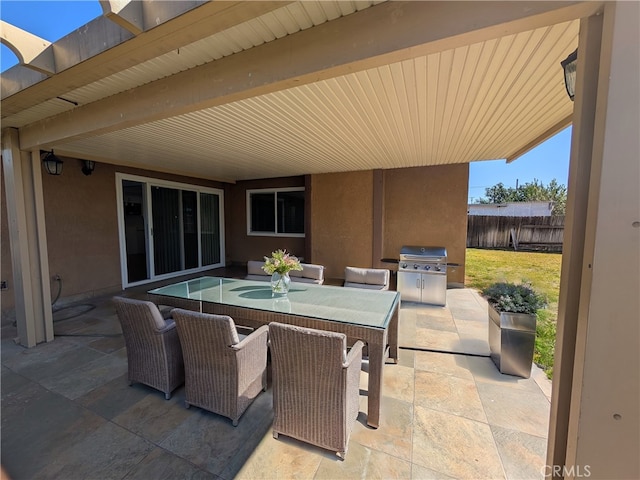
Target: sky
{"type": "Point", "coordinates": [53, 19]}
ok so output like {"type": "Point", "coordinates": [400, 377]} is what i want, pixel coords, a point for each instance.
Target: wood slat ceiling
{"type": "Point", "coordinates": [478, 102]}
{"type": "Point", "coordinates": [483, 101]}
{"type": "Point", "coordinates": [266, 28]}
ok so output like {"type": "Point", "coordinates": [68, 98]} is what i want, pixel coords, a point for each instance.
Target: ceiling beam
{"type": "Point", "coordinates": [114, 49]}
{"type": "Point", "coordinates": [33, 52]}
{"type": "Point", "coordinates": [389, 32]}
{"type": "Point", "coordinates": [129, 15]}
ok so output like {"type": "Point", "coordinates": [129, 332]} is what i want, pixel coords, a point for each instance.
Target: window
{"type": "Point", "coordinates": [276, 212]}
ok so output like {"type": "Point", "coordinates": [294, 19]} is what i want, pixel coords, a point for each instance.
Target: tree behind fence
{"type": "Point", "coordinates": [521, 233]}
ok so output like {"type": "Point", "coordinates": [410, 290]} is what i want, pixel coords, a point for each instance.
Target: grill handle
{"type": "Point", "coordinates": [421, 258]}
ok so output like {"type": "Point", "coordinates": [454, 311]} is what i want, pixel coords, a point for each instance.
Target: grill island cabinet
{"type": "Point", "coordinates": [511, 341]}
{"type": "Point", "coordinates": [419, 287]}
{"type": "Point", "coordinates": [422, 275]}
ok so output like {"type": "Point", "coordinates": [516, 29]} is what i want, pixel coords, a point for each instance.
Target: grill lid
{"type": "Point", "coordinates": [427, 252]}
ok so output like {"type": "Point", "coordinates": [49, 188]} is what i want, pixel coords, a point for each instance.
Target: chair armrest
{"type": "Point", "coordinates": [171, 325]}
{"type": "Point", "coordinates": [355, 354]}
{"type": "Point", "coordinates": [255, 336]}
{"type": "Point", "coordinates": [246, 331]}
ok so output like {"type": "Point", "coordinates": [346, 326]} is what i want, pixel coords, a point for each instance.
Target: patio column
{"type": "Point", "coordinates": [574, 235]}
{"type": "Point", "coordinates": [28, 241]}
{"type": "Point", "coordinates": [377, 247]}
{"type": "Point", "coordinates": [596, 390]}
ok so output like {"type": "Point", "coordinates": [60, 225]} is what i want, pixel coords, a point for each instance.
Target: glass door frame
{"type": "Point", "coordinates": [150, 182]}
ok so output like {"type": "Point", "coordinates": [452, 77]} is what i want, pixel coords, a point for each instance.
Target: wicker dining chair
{"type": "Point", "coordinates": [315, 385]}
{"type": "Point", "coordinates": [224, 371]}
{"type": "Point", "coordinates": [154, 354]}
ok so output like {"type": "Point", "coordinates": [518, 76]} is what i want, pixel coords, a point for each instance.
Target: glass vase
{"type": "Point", "coordinates": [280, 284]}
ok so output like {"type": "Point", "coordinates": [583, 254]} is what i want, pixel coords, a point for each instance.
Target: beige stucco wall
{"type": "Point", "coordinates": [82, 229]}
{"type": "Point", "coordinates": [422, 206]}
{"type": "Point", "coordinates": [341, 220]}
{"type": "Point", "coordinates": [427, 206]}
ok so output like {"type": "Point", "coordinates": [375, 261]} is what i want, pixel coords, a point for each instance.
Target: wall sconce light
{"type": "Point", "coordinates": [88, 166]}
{"type": "Point", "coordinates": [52, 164]}
{"type": "Point", "coordinates": [569, 65]}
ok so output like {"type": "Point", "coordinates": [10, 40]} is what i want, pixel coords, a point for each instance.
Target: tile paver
{"type": "Point", "coordinates": [68, 412]}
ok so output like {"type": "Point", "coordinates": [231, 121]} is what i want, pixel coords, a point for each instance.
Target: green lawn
{"type": "Point", "coordinates": [542, 270]}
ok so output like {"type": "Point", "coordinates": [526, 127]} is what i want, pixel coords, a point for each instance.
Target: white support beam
{"type": "Point", "coordinates": [125, 13]}
{"type": "Point", "coordinates": [33, 52]}
{"type": "Point", "coordinates": [114, 49]}
{"type": "Point", "coordinates": [593, 430]}
{"type": "Point", "coordinates": [575, 231]}
{"type": "Point", "coordinates": [367, 39]}
{"type": "Point", "coordinates": [604, 422]}
{"type": "Point", "coordinates": [28, 241]}
{"type": "Point", "coordinates": [138, 16]}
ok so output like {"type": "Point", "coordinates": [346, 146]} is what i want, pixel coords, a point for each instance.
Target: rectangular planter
{"type": "Point", "coordinates": [511, 341]}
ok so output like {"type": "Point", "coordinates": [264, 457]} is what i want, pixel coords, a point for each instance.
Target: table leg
{"type": "Point", "coordinates": [376, 366]}
{"type": "Point", "coordinates": [393, 336]}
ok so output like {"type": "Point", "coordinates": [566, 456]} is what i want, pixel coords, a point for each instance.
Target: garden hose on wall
{"type": "Point", "coordinates": [57, 278]}
{"type": "Point", "coordinates": [77, 309]}
{"type": "Point", "coordinates": [73, 311]}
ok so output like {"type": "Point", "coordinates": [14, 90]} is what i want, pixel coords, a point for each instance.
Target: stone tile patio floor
{"type": "Point", "coordinates": [68, 412]}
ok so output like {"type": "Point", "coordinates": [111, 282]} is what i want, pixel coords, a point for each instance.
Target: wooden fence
{"type": "Point", "coordinates": [519, 233]}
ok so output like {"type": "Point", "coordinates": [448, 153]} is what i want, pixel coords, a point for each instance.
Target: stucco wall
{"type": "Point", "coordinates": [242, 247]}
{"type": "Point", "coordinates": [341, 220]}
{"type": "Point", "coordinates": [427, 206]}
{"type": "Point", "coordinates": [82, 228]}
{"type": "Point", "coordinates": [422, 206]}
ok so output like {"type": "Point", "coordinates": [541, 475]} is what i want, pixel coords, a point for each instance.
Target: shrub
{"type": "Point", "coordinates": [512, 297]}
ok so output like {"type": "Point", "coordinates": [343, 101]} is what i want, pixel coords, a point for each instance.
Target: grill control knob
{"type": "Point", "coordinates": [415, 266]}
{"type": "Point", "coordinates": [438, 268]}
{"type": "Point", "coordinates": [427, 267]}
{"type": "Point", "coordinates": [404, 265]}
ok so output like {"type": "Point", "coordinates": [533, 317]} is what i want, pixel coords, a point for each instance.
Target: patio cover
{"type": "Point", "coordinates": [242, 90]}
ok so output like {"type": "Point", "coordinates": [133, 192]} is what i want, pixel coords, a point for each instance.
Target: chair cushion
{"type": "Point", "coordinates": [310, 273]}
{"type": "Point", "coordinates": [254, 267]}
{"type": "Point", "coordinates": [366, 286]}
{"type": "Point", "coordinates": [306, 280]}
{"type": "Point", "coordinates": [369, 276]}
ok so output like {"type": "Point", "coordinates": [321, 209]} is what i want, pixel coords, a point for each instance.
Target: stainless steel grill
{"type": "Point", "coordinates": [422, 275]}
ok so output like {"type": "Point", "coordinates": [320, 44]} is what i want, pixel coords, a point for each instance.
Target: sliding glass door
{"type": "Point", "coordinates": [133, 204]}
{"type": "Point", "coordinates": [210, 228]}
{"type": "Point", "coordinates": [168, 228]}
{"type": "Point", "coordinates": [165, 207]}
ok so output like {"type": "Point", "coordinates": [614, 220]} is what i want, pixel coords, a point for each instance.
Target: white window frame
{"type": "Point", "coordinates": [275, 191]}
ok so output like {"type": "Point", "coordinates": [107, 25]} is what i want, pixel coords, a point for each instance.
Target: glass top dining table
{"type": "Point", "coordinates": [361, 314]}
{"type": "Point", "coordinates": [370, 308]}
